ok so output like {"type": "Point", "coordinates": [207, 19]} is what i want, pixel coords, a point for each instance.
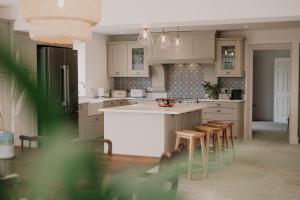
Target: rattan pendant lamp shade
{"type": "Point", "coordinates": [61, 21]}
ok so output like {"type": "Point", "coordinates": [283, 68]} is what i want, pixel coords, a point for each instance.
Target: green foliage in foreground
{"type": "Point", "coordinates": [68, 172]}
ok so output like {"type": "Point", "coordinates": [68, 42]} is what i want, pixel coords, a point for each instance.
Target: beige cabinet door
{"type": "Point", "coordinates": [24, 114]}
{"type": "Point", "coordinates": [82, 118]}
{"type": "Point", "coordinates": [5, 112]}
{"type": "Point", "coordinates": [25, 51]}
{"type": "Point", "coordinates": [204, 47]}
{"type": "Point", "coordinates": [137, 61]}
{"type": "Point", "coordinates": [95, 126]}
{"type": "Point", "coordinates": [5, 38]}
{"type": "Point", "coordinates": [117, 60]}
{"type": "Point", "coordinates": [229, 58]}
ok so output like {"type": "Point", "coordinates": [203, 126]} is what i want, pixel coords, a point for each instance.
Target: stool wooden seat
{"type": "Point", "coordinates": [229, 126]}
{"type": "Point", "coordinates": [192, 137]}
{"type": "Point", "coordinates": [216, 134]}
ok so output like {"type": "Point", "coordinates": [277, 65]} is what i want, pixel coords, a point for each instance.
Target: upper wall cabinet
{"type": "Point", "coordinates": [127, 59]}
{"type": "Point", "coordinates": [229, 57]}
{"type": "Point", "coordinates": [25, 51]}
{"type": "Point", "coordinates": [6, 29]}
{"type": "Point", "coordinates": [197, 46]}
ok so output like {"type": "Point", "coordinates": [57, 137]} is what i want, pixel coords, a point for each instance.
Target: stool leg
{"type": "Point", "coordinates": [191, 156]}
{"type": "Point", "coordinates": [207, 137]}
{"type": "Point", "coordinates": [226, 138]}
{"type": "Point", "coordinates": [204, 158]}
{"type": "Point", "coordinates": [177, 142]}
{"type": "Point", "coordinates": [218, 149]}
{"type": "Point", "coordinates": [231, 135]}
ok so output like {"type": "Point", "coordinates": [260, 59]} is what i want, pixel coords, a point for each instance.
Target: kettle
{"type": "Point", "coordinates": [236, 94]}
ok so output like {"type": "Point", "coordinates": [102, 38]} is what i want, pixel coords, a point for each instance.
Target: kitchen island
{"type": "Point", "coordinates": [147, 129]}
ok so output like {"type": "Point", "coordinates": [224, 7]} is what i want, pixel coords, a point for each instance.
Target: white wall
{"type": "Point", "coordinates": [96, 65]}
{"type": "Point", "coordinates": [271, 37]}
{"type": "Point", "coordinates": [263, 83]}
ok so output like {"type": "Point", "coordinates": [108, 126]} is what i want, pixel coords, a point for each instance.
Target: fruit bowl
{"type": "Point", "coordinates": [166, 102]}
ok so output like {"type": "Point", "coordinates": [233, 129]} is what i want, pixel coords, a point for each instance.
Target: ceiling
{"type": "Point", "coordinates": [229, 25]}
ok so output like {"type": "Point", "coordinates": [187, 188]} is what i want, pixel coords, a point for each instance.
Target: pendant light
{"type": "Point", "coordinates": [61, 21]}
{"type": "Point", "coordinates": [177, 43]}
{"type": "Point", "coordinates": [163, 41]}
{"type": "Point", "coordinates": [145, 38]}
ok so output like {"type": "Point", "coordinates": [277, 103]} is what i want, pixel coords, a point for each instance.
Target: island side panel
{"type": "Point", "coordinates": [179, 122]}
{"type": "Point", "coordinates": [135, 134]}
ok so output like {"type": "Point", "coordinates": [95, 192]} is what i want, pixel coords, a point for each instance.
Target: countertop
{"type": "Point", "coordinates": [83, 101]}
{"type": "Point", "coordinates": [153, 108]}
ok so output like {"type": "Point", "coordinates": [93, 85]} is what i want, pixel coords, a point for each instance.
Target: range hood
{"type": "Point", "coordinates": [182, 61]}
{"type": "Point", "coordinates": [158, 77]}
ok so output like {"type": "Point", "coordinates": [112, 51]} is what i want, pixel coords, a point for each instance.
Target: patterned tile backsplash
{"type": "Point", "coordinates": [182, 82]}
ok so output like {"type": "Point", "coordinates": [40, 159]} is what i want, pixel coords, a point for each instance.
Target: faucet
{"type": "Point", "coordinates": [81, 83]}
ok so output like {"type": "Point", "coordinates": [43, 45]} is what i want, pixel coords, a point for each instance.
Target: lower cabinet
{"type": "Point", "coordinates": [91, 127]}
{"type": "Point", "coordinates": [226, 111]}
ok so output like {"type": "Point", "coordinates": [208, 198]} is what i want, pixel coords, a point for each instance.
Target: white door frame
{"type": "Point", "coordinates": [249, 80]}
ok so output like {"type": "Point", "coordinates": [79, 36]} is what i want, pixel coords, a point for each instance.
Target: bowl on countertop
{"type": "Point", "coordinates": [166, 102]}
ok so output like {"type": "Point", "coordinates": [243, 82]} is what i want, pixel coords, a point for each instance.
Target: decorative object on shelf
{"type": "Point", "coordinates": [228, 57]}
{"type": "Point", "coordinates": [163, 41]}
{"type": "Point", "coordinates": [212, 90]}
{"type": "Point", "coordinates": [145, 39]}
{"type": "Point", "coordinates": [177, 43]}
{"type": "Point", "coordinates": [166, 102]}
{"type": "Point", "coordinates": [61, 21]}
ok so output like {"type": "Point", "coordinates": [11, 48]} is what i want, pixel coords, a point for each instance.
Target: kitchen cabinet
{"type": "Point", "coordinates": [95, 126]}
{"type": "Point", "coordinates": [117, 60]}
{"type": "Point", "coordinates": [137, 61]}
{"type": "Point", "coordinates": [229, 57]}
{"type": "Point", "coordinates": [226, 111]}
{"type": "Point", "coordinates": [6, 30]}
{"type": "Point", "coordinates": [25, 51]}
{"type": "Point", "coordinates": [82, 118]}
{"type": "Point", "coordinates": [196, 46]}
{"type": "Point", "coordinates": [127, 59]}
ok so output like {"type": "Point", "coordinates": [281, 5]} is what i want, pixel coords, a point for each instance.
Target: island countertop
{"type": "Point", "coordinates": [153, 108]}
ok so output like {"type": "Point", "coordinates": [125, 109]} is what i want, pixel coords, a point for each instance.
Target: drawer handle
{"type": "Point", "coordinates": [218, 104]}
{"type": "Point", "coordinates": [218, 111]}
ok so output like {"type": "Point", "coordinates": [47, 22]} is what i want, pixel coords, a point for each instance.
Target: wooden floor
{"type": "Point", "coordinates": [26, 158]}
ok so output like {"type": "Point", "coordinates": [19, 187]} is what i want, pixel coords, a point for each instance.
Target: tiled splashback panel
{"type": "Point", "coordinates": [182, 82]}
{"type": "Point", "coordinates": [232, 82]}
{"type": "Point", "coordinates": [132, 83]}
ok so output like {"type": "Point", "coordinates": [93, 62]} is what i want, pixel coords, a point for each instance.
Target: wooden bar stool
{"type": "Point", "coordinates": [193, 137]}
{"type": "Point", "coordinates": [229, 126]}
{"type": "Point", "coordinates": [224, 131]}
{"type": "Point", "coordinates": [216, 134]}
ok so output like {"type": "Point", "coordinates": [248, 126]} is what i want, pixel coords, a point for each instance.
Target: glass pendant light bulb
{"type": "Point", "coordinates": [60, 3]}
{"type": "Point", "coordinates": [163, 41]}
{"type": "Point", "coordinates": [145, 38]}
{"type": "Point", "coordinates": [177, 43]}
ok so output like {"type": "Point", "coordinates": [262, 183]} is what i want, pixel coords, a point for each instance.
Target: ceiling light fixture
{"type": "Point", "coordinates": [163, 42]}
{"type": "Point", "coordinates": [145, 38]}
{"type": "Point", "coordinates": [177, 43]}
{"type": "Point", "coordinates": [61, 21]}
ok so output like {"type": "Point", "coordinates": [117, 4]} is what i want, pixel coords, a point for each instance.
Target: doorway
{"type": "Point", "coordinates": [270, 110]}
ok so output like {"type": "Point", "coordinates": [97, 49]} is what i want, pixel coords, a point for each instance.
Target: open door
{"type": "Point", "coordinates": [281, 90]}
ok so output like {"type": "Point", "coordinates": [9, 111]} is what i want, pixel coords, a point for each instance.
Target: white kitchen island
{"type": "Point", "coordinates": [147, 129]}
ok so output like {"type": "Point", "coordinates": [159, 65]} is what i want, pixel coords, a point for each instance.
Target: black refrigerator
{"type": "Point", "coordinates": [58, 81]}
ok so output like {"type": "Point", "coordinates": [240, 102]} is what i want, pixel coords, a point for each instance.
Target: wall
{"type": "Point", "coordinates": [263, 91]}
{"type": "Point", "coordinates": [259, 39]}
{"type": "Point", "coordinates": [96, 65]}
{"type": "Point", "coordinates": [183, 81]}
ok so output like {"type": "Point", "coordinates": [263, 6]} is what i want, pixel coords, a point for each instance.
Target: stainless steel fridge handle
{"type": "Point", "coordinates": [64, 68]}
{"type": "Point", "coordinates": [68, 84]}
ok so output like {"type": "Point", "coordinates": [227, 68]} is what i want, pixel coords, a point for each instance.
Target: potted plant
{"type": "Point", "coordinates": [212, 90]}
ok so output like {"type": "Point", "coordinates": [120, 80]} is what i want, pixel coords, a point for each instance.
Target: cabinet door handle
{"type": "Point", "coordinates": [117, 72]}
{"type": "Point", "coordinates": [218, 111]}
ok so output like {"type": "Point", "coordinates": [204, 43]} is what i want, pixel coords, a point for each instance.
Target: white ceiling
{"type": "Point", "coordinates": [118, 19]}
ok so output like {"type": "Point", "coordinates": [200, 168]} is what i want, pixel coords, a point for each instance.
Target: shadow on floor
{"type": "Point", "coordinates": [270, 131]}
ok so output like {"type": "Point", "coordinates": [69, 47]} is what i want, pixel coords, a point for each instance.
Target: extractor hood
{"type": "Point", "coordinates": [158, 77]}
{"type": "Point", "coordinates": [182, 61]}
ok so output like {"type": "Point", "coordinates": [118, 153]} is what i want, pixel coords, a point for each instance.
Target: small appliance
{"type": "Point", "coordinates": [101, 92]}
{"type": "Point", "coordinates": [119, 94]}
{"type": "Point", "coordinates": [137, 93]}
{"type": "Point", "coordinates": [236, 94]}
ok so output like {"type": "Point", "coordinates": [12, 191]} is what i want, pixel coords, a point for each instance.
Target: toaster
{"type": "Point", "coordinates": [119, 94]}
{"type": "Point", "coordinates": [137, 93]}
